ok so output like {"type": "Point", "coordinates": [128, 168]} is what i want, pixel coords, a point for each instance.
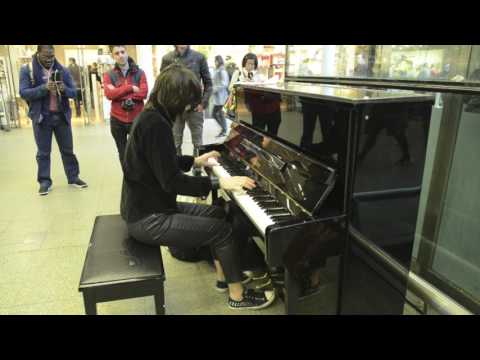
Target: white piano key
{"type": "Point", "coordinates": [254, 212]}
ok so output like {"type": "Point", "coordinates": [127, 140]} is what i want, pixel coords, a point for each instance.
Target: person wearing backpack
{"type": "Point", "coordinates": [46, 86]}
{"type": "Point", "coordinates": [126, 86]}
{"type": "Point", "coordinates": [197, 63]}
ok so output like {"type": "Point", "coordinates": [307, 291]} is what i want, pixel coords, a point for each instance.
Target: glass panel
{"type": "Point", "coordinates": [447, 250]}
{"type": "Point", "coordinates": [398, 62]}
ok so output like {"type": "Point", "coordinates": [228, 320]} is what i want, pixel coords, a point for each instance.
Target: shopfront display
{"type": "Point", "coordinates": [454, 63]}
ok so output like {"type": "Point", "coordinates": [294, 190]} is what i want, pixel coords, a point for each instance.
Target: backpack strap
{"type": "Point", "coordinates": [113, 77]}
{"type": "Point", "coordinates": [30, 73]}
{"type": "Point", "coordinates": [136, 77]}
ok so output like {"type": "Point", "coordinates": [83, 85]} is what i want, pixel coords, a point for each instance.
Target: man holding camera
{"type": "Point", "coordinates": [46, 86]}
{"type": "Point", "coordinates": [126, 86]}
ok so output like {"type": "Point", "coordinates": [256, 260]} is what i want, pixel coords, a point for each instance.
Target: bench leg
{"type": "Point", "coordinates": [90, 305]}
{"type": "Point", "coordinates": [160, 302]}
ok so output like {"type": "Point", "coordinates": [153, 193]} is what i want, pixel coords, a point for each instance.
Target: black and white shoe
{"type": "Point", "coordinates": [44, 189]}
{"type": "Point", "coordinates": [253, 300]}
{"type": "Point", "coordinates": [222, 286]}
{"type": "Point", "coordinates": [79, 184]}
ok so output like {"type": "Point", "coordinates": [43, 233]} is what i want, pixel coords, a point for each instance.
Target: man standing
{"type": "Point", "coordinates": [46, 85]}
{"type": "Point", "coordinates": [126, 86]}
{"type": "Point", "coordinates": [75, 72]}
{"type": "Point", "coordinates": [197, 63]}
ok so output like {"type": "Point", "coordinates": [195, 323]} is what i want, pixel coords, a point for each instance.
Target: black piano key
{"type": "Point", "coordinates": [281, 218]}
{"type": "Point", "coordinates": [277, 212]}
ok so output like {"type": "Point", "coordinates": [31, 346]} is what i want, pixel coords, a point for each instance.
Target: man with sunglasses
{"type": "Point", "coordinates": [46, 86]}
{"type": "Point", "coordinates": [126, 86]}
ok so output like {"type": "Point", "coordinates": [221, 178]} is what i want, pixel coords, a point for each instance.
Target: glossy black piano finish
{"type": "Point", "coordinates": [305, 180]}
{"type": "Point", "coordinates": [375, 140]}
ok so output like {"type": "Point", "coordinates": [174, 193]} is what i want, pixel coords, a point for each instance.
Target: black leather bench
{"type": "Point", "coordinates": [117, 267]}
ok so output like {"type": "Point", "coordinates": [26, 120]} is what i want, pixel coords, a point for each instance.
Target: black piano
{"type": "Point", "coordinates": [301, 209]}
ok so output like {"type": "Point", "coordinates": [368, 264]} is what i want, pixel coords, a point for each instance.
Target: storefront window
{"type": "Point", "coordinates": [271, 58]}
{"type": "Point", "coordinates": [398, 62]}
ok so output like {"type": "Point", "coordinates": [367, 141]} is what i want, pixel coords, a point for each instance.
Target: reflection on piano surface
{"type": "Point", "coordinates": [288, 201]}
{"type": "Point", "coordinates": [300, 143]}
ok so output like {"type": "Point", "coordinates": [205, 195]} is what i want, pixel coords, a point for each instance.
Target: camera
{"type": "Point", "coordinates": [56, 76]}
{"type": "Point", "coordinates": [128, 105]}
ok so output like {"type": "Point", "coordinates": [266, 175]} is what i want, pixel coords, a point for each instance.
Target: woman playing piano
{"type": "Point", "coordinates": [154, 176]}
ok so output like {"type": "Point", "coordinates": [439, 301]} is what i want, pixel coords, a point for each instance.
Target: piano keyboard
{"type": "Point", "coordinates": [259, 205]}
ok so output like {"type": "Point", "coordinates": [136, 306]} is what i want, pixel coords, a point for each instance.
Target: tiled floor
{"type": "Point", "coordinates": [43, 239]}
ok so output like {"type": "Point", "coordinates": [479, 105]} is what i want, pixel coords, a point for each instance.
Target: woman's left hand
{"type": "Point", "coordinates": [202, 161]}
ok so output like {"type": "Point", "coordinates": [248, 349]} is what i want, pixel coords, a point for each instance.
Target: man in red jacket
{"type": "Point", "coordinates": [126, 86]}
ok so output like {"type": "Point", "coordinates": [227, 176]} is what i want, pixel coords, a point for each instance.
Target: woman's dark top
{"type": "Point", "coordinates": [152, 172]}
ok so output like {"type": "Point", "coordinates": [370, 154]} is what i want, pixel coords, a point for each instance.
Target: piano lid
{"type": "Point", "coordinates": [345, 94]}
{"type": "Point", "coordinates": [303, 179]}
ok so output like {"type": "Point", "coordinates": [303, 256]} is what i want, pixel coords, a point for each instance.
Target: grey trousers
{"type": "Point", "coordinates": [194, 121]}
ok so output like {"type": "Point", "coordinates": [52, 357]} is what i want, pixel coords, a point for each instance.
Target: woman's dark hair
{"type": "Point", "coordinates": [219, 60]}
{"type": "Point", "coordinates": [175, 88]}
{"type": "Point", "coordinates": [250, 56]}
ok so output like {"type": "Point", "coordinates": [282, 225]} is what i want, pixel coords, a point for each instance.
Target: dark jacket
{"type": "Point", "coordinates": [124, 90]}
{"type": "Point", "coordinates": [37, 94]}
{"type": "Point", "coordinates": [75, 72]}
{"type": "Point", "coordinates": [196, 62]}
{"type": "Point", "coordinates": [153, 173]}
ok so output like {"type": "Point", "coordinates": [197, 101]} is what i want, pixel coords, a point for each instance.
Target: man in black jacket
{"type": "Point", "coordinates": [197, 63]}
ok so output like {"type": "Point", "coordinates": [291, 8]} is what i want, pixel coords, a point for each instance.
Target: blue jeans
{"type": "Point", "coordinates": [58, 125]}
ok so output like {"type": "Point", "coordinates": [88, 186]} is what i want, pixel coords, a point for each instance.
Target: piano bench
{"type": "Point", "coordinates": [117, 267]}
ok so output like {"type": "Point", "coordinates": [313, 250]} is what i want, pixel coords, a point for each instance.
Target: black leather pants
{"type": "Point", "coordinates": [193, 227]}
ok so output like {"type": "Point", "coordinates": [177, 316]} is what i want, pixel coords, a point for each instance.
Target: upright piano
{"type": "Point", "coordinates": [303, 205]}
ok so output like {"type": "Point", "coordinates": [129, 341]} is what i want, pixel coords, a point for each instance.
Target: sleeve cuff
{"type": "Point", "coordinates": [185, 162]}
{"type": "Point", "coordinates": [215, 182]}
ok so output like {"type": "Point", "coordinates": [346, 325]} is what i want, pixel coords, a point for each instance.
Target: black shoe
{"type": "Point", "coordinates": [79, 184]}
{"type": "Point", "coordinates": [253, 300]}
{"type": "Point", "coordinates": [222, 286]}
{"type": "Point", "coordinates": [44, 189]}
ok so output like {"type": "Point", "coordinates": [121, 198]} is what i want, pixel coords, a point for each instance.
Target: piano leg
{"type": "Point", "coordinates": [292, 294]}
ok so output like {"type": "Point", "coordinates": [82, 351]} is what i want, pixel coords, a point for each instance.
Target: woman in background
{"type": "Point", "coordinates": [220, 94]}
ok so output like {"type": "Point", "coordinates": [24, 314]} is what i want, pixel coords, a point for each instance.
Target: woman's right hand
{"type": "Point", "coordinates": [237, 183]}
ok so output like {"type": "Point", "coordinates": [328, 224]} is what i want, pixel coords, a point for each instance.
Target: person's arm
{"type": "Point", "coordinates": [27, 91]}
{"type": "Point", "coordinates": [142, 94]}
{"type": "Point", "coordinates": [207, 81]}
{"type": "Point", "coordinates": [69, 88]}
{"type": "Point", "coordinates": [224, 79]}
{"type": "Point", "coordinates": [161, 156]}
{"type": "Point", "coordinates": [115, 93]}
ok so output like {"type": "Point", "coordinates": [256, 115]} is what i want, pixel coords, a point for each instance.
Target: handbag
{"type": "Point", "coordinates": [230, 106]}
